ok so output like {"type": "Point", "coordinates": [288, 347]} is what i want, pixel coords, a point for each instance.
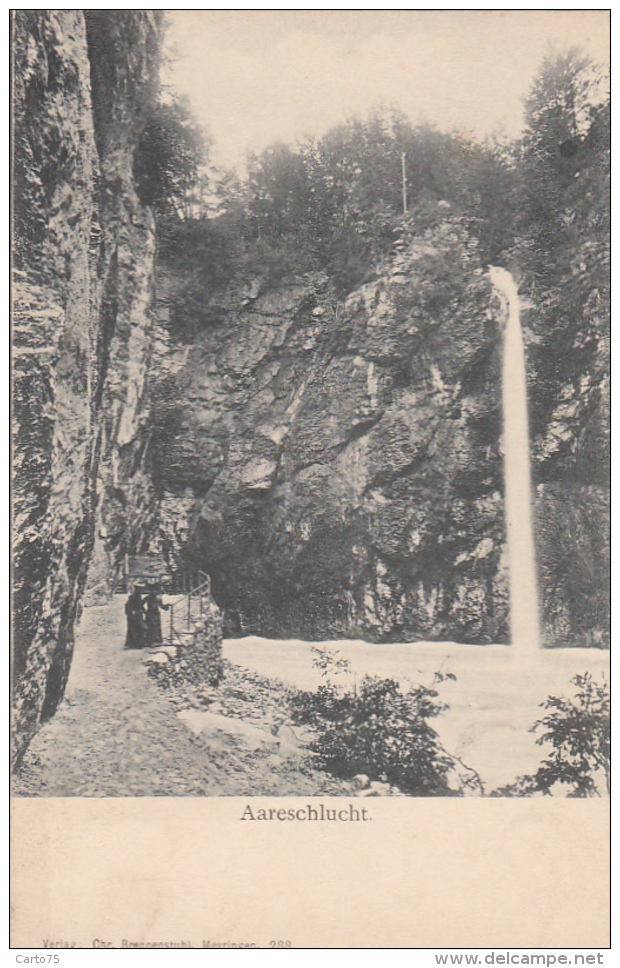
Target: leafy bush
{"type": "Point", "coordinates": [579, 732]}
{"type": "Point", "coordinates": [374, 728]}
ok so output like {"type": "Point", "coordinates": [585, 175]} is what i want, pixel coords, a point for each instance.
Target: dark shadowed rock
{"type": "Point", "coordinates": [351, 485]}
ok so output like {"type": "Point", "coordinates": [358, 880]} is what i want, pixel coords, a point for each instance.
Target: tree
{"type": "Point", "coordinates": [564, 252]}
{"type": "Point", "coordinates": [170, 160]}
{"type": "Point", "coordinates": [341, 196]}
{"type": "Point", "coordinates": [562, 111]}
{"type": "Point", "coordinates": [279, 192]}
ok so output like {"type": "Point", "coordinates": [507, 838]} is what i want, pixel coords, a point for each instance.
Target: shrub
{"type": "Point", "coordinates": [374, 728]}
{"type": "Point", "coordinates": [579, 732]}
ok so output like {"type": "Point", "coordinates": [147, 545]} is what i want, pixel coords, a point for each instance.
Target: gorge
{"type": "Point", "coordinates": [330, 454]}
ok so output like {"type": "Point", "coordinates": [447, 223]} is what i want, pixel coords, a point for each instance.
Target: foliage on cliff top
{"type": "Point", "coordinates": [170, 159]}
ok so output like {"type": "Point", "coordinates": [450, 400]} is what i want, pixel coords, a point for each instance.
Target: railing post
{"type": "Point", "coordinates": [189, 603]}
{"type": "Point", "coordinates": [171, 621]}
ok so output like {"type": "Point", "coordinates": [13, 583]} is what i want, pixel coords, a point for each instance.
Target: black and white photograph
{"type": "Point", "coordinates": [310, 402]}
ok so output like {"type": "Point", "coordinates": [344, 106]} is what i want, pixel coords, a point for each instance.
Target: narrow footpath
{"type": "Point", "coordinates": [118, 734]}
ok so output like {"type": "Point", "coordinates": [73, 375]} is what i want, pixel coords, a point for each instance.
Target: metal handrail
{"type": "Point", "coordinates": [184, 604]}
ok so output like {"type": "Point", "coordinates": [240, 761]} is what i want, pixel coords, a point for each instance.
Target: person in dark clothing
{"type": "Point", "coordinates": [135, 620]}
{"type": "Point", "coordinates": [152, 618]}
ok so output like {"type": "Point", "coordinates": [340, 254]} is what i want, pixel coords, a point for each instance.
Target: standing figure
{"type": "Point", "coordinates": [152, 605]}
{"type": "Point", "coordinates": [135, 620]}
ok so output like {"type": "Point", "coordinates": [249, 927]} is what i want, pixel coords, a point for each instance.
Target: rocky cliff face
{"type": "Point", "coordinates": [83, 254]}
{"type": "Point", "coordinates": [337, 467]}
{"type": "Point", "coordinates": [344, 457]}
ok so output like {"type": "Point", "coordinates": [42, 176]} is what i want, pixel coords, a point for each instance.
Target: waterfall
{"type": "Point", "coordinates": [524, 627]}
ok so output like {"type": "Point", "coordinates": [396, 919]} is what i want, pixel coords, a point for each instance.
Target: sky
{"type": "Point", "coordinates": [254, 77]}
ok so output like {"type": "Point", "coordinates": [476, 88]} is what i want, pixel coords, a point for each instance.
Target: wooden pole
{"type": "Point", "coordinates": [403, 157]}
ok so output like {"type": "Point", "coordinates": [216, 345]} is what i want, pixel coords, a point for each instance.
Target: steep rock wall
{"type": "Point", "coordinates": [122, 86]}
{"type": "Point", "coordinates": [83, 250]}
{"type": "Point", "coordinates": [345, 455]}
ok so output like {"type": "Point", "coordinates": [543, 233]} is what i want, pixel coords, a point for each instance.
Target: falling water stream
{"type": "Point", "coordinates": [524, 627]}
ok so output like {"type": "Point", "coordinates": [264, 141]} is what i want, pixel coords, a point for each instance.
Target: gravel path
{"type": "Point", "coordinates": [118, 734]}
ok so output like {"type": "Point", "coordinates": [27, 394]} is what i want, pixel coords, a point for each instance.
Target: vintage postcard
{"type": "Point", "coordinates": [310, 398]}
